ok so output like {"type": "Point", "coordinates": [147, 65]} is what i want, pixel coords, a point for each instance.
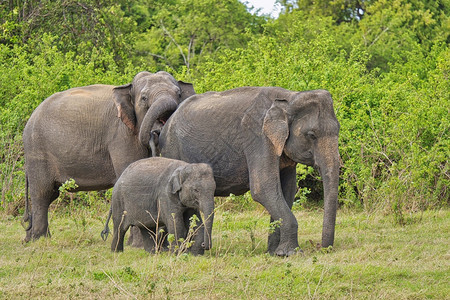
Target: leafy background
{"type": "Point", "coordinates": [386, 63]}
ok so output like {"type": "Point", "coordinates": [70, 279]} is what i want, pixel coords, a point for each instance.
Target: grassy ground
{"type": "Point", "coordinates": [372, 259]}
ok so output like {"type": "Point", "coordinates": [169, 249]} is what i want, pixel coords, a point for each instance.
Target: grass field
{"type": "Point", "coordinates": [373, 258]}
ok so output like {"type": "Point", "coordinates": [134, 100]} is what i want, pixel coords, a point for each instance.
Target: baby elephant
{"type": "Point", "coordinates": [156, 192]}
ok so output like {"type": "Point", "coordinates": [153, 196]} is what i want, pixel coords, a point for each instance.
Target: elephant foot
{"type": "Point", "coordinates": [36, 232]}
{"type": "Point", "coordinates": [272, 246]}
{"type": "Point", "coordinates": [136, 239]}
{"type": "Point", "coordinates": [285, 250]}
{"type": "Point", "coordinates": [27, 237]}
{"type": "Point", "coordinates": [196, 251]}
{"type": "Point", "coordinates": [27, 228]}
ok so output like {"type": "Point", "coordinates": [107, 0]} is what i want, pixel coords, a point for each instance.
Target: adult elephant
{"type": "Point", "coordinates": [253, 137]}
{"type": "Point", "coordinates": [91, 134]}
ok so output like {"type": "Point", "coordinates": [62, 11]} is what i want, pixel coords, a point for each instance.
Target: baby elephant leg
{"type": "Point", "coordinates": [135, 239]}
{"type": "Point", "coordinates": [177, 228]}
{"type": "Point", "coordinates": [148, 240]}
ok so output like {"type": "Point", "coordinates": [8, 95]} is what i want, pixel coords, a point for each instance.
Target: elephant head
{"type": "Point", "coordinates": [148, 102]}
{"type": "Point", "coordinates": [195, 186]}
{"type": "Point", "coordinates": [304, 127]}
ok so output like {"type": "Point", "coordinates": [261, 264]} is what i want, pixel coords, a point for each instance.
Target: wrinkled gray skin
{"type": "Point", "coordinates": [91, 134]}
{"type": "Point", "coordinates": [253, 137]}
{"type": "Point", "coordinates": [156, 192]}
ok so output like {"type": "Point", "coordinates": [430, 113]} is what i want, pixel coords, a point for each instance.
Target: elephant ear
{"type": "Point", "coordinates": [187, 90]}
{"type": "Point", "coordinates": [275, 125]}
{"type": "Point", "coordinates": [125, 109]}
{"type": "Point", "coordinates": [175, 181]}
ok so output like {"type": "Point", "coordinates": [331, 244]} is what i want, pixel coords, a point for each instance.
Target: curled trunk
{"type": "Point", "coordinates": [161, 109]}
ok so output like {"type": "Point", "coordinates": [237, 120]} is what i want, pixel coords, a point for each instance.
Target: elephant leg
{"type": "Point", "coordinates": [120, 228]}
{"type": "Point", "coordinates": [198, 238]}
{"type": "Point", "coordinates": [136, 239]}
{"type": "Point", "coordinates": [266, 189]}
{"type": "Point", "coordinates": [148, 241]}
{"type": "Point", "coordinates": [288, 229]}
{"type": "Point", "coordinates": [289, 186]}
{"type": "Point", "coordinates": [41, 195]}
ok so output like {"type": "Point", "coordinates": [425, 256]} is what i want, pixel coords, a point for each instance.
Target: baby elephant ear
{"type": "Point", "coordinates": [175, 180]}
{"type": "Point", "coordinates": [275, 125]}
{"type": "Point", "coordinates": [125, 109]}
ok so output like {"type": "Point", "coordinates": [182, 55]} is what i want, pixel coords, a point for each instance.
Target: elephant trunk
{"type": "Point", "coordinates": [208, 218]}
{"type": "Point", "coordinates": [328, 163]}
{"type": "Point", "coordinates": [162, 108]}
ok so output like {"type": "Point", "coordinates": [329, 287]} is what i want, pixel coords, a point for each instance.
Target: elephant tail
{"type": "Point", "coordinates": [105, 232]}
{"type": "Point", "coordinates": [26, 215]}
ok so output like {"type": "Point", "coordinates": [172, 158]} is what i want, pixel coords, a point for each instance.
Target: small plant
{"type": "Point", "coordinates": [274, 225]}
{"type": "Point", "coordinates": [301, 198]}
{"type": "Point", "coordinates": [66, 197]}
{"type": "Point", "coordinates": [328, 249]}
{"type": "Point", "coordinates": [65, 189]}
{"type": "Point", "coordinates": [397, 210]}
{"type": "Point", "coordinates": [241, 202]}
{"type": "Point", "coordinates": [68, 185]}
{"type": "Point", "coordinates": [181, 245]}
{"type": "Point", "coordinates": [251, 228]}
{"type": "Point", "coordinates": [159, 235]}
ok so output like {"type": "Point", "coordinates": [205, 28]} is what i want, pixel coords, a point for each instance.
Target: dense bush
{"type": "Point", "coordinates": [385, 62]}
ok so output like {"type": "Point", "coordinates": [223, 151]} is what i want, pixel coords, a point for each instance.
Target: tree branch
{"type": "Point", "coordinates": [186, 61]}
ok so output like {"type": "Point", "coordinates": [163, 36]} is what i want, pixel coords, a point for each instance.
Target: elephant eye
{"type": "Point", "coordinates": [144, 98]}
{"type": "Point", "coordinates": [311, 135]}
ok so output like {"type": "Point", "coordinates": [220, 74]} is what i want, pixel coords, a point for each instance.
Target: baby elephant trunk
{"type": "Point", "coordinates": [208, 218]}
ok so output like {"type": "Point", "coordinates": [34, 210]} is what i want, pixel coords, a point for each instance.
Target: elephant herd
{"type": "Point", "coordinates": [203, 145]}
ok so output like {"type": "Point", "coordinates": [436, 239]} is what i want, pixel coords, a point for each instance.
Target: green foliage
{"type": "Point", "coordinates": [385, 62]}
{"type": "Point", "coordinates": [395, 28]}
{"type": "Point", "coordinates": [31, 73]}
{"type": "Point", "coordinates": [67, 186]}
{"type": "Point", "coordinates": [238, 203]}
{"type": "Point", "coordinates": [339, 10]}
{"type": "Point", "coordinates": [386, 29]}
{"type": "Point", "coordinates": [310, 188]}
{"type": "Point", "coordinates": [11, 175]}
{"type": "Point", "coordinates": [78, 25]}
{"type": "Point", "coordinates": [182, 245]}
{"type": "Point", "coordinates": [184, 32]}
{"type": "Point", "coordinates": [274, 225]}
{"type": "Point", "coordinates": [403, 154]}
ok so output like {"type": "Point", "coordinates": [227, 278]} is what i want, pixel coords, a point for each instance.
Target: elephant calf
{"type": "Point", "coordinates": [156, 192]}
